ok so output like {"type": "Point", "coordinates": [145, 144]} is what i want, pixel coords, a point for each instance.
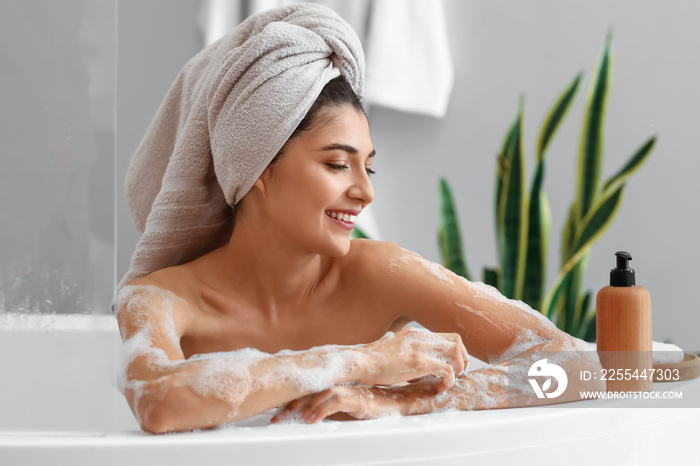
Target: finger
{"type": "Point", "coordinates": [299, 403]}
{"type": "Point", "coordinates": [448, 378]}
{"type": "Point", "coordinates": [329, 408]}
{"type": "Point", "coordinates": [465, 354]}
{"type": "Point", "coordinates": [288, 410]}
{"type": "Point", "coordinates": [323, 398]}
{"type": "Point", "coordinates": [460, 357]}
{"type": "Point", "coordinates": [346, 403]}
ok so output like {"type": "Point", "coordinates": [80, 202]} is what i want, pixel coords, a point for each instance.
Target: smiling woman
{"type": "Point", "coordinates": [326, 163]}
{"type": "Point", "coordinates": [284, 309]}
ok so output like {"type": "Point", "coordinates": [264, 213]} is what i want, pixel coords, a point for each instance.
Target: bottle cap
{"type": "Point", "coordinates": [622, 275]}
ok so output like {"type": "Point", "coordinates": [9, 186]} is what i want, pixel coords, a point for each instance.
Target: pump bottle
{"type": "Point", "coordinates": [623, 330]}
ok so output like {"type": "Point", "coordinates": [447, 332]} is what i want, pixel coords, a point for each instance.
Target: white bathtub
{"type": "Point", "coordinates": [58, 406]}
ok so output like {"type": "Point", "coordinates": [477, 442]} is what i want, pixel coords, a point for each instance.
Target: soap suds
{"type": "Point", "coordinates": [485, 388]}
{"type": "Point", "coordinates": [143, 304]}
{"type": "Point", "coordinates": [227, 375]}
{"type": "Point", "coordinates": [436, 345]}
{"type": "Point", "coordinates": [484, 291]}
{"type": "Point", "coordinates": [532, 330]}
{"type": "Point", "coordinates": [434, 269]}
{"type": "Point", "coordinates": [233, 376]}
{"type": "Point", "coordinates": [230, 376]}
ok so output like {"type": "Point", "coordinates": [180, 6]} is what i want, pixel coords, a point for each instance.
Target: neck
{"type": "Point", "coordinates": [266, 270]}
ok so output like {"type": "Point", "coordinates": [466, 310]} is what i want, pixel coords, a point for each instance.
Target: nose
{"type": "Point", "coordinates": [361, 188]}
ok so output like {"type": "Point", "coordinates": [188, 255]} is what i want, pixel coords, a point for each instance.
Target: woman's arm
{"type": "Point", "coordinates": [494, 328]}
{"type": "Point", "coordinates": [490, 387]}
{"type": "Point", "coordinates": [168, 393]}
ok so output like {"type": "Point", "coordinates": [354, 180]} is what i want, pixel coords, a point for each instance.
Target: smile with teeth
{"type": "Point", "coordinates": [341, 216]}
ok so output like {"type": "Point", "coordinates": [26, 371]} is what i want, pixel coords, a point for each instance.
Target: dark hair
{"type": "Point", "coordinates": [336, 93]}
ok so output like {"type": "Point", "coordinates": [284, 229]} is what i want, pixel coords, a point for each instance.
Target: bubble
{"type": "Point", "coordinates": [434, 269]}
{"type": "Point", "coordinates": [231, 376]}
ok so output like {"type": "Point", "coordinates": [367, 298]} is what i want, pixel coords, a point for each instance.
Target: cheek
{"type": "Point", "coordinates": [318, 190]}
{"type": "Point", "coordinates": [303, 195]}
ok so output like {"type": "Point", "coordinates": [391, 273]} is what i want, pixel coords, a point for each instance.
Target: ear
{"type": "Point", "coordinates": [260, 184]}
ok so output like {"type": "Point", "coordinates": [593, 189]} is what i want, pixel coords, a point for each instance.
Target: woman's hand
{"type": "Point", "coordinates": [411, 354]}
{"type": "Point", "coordinates": [356, 402]}
{"type": "Point", "coordinates": [343, 402]}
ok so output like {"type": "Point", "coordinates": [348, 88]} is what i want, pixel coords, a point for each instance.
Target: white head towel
{"type": "Point", "coordinates": [228, 113]}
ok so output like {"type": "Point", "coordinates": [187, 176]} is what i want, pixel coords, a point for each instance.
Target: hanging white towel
{"type": "Point", "coordinates": [409, 66]}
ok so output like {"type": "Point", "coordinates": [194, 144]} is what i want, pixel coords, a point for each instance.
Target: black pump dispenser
{"type": "Point", "coordinates": [622, 275]}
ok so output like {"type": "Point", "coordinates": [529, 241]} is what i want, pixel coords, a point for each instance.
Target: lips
{"type": "Point", "coordinates": [342, 215]}
{"type": "Point", "coordinates": [344, 218]}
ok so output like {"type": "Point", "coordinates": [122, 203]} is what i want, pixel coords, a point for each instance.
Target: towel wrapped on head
{"type": "Point", "coordinates": [228, 113]}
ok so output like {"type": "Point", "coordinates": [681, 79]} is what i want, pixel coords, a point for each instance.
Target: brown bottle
{"type": "Point", "coordinates": [623, 330]}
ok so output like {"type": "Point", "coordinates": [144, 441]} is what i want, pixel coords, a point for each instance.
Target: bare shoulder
{"type": "Point", "coordinates": [371, 256]}
{"type": "Point", "coordinates": [409, 278]}
{"type": "Point", "coordinates": [378, 263]}
{"type": "Point", "coordinates": [383, 256]}
{"type": "Point", "coordinates": [157, 298]}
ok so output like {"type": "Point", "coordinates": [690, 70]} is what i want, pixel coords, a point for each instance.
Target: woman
{"type": "Point", "coordinates": [289, 311]}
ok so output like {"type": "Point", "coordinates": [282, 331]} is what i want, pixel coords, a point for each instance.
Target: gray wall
{"type": "Point", "coordinates": [56, 155]}
{"type": "Point", "coordinates": [503, 50]}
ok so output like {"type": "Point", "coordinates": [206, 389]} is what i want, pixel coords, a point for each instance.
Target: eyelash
{"type": "Point", "coordinates": [345, 167]}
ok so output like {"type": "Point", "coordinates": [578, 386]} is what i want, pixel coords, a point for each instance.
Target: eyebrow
{"type": "Point", "coordinates": [346, 148]}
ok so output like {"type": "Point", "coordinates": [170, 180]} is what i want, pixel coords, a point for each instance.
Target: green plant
{"type": "Point", "coordinates": [358, 233]}
{"type": "Point", "coordinates": [523, 221]}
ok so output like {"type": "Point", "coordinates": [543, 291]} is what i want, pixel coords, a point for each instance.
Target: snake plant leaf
{"type": "Point", "coordinates": [502, 174]}
{"type": "Point", "coordinates": [442, 241]}
{"type": "Point", "coordinates": [587, 331]}
{"type": "Point", "coordinates": [449, 234]}
{"type": "Point", "coordinates": [514, 208]}
{"type": "Point", "coordinates": [555, 294]}
{"type": "Point", "coordinates": [539, 223]}
{"type": "Point", "coordinates": [568, 234]}
{"type": "Point", "coordinates": [556, 115]}
{"type": "Point", "coordinates": [590, 229]}
{"type": "Point", "coordinates": [539, 220]}
{"type": "Point", "coordinates": [600, 217]}
{"type": "Point", "coordinates": [636, 161]}
{"type": "Point", "coordinates": [594, 226]}
{"type": "Point", "coordinates": [358, 233]}
{"type": "Point", "coordinates": [573, 296]}
{"type": "Point", "coordinates": [587, 319]}
{"type": "Point", "coordinates": [539, 215]}
{"type": "Point", "coordinates": [591, 141]}
{"type": "Point", "coordinates": [491, 277]}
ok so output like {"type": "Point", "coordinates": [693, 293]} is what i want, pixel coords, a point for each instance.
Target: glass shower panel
{"type": "Point", "coordinates": [57, 130]}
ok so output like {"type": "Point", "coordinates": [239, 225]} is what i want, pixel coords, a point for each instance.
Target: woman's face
{"type": "Point", "coordinates": [321, 182]}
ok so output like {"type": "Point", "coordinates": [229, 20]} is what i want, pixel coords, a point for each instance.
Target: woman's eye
{"type": "Point", "coordinates": [339, 167]}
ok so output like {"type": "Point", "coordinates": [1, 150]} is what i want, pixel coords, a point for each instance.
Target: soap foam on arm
{"type": "Point", "coordinates": [168, 393]}
{"type": "Point", "coordinates": [494, 328]}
